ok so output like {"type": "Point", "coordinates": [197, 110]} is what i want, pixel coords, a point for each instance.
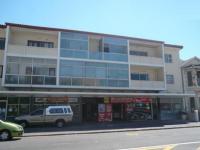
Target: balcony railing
{"type": "Point", "coordinates": [32, 51]}
{"type": "Point", "coordinates": [30, 79]}
{"type": "Point", "coordinates": [146, 60]}
{"type": "Point", "coordinates": [141, 84]}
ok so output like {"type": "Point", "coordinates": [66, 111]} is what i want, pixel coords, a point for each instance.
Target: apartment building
{"type": "Point", "coordinates": [191, 83]}
{"type": "Point", "coordinates": [103, 77]}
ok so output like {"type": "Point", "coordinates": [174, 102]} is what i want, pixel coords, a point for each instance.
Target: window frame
{"type": "Point", "coordinates": [170, 79]}
{"type": "Point", "coordinates": [40, 44]}
{"type": "Point", "coordinates": [168, 58]}
{"type": "Point", "coordinates": [3, 40]}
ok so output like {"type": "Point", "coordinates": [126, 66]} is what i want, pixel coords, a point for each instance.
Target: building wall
{"type": "Point", "coordinates": [21, 38]}
{"type": "Point", "coordinates": [174, 69]}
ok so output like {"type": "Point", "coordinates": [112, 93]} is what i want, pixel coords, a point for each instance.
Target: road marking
{"type": "Point", "coordinates": [169, 146]}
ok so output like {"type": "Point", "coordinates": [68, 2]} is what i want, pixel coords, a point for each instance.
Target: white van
{"type": "Point", "coordinates": [60, 115]}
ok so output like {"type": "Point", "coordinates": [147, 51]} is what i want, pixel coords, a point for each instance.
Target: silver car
{"type": "Point", "coordinates": [58, 115]}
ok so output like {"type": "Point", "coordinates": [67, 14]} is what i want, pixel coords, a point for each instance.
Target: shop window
{"type": "Point", "coordinates": [13, 100]}
{"type": "Point", "coordinates": [24, 100]}
{"type": "Point", "coordinates": [24, 109]}
{"type": "Point", "coordinates": [192, 103]}
{"type": "Point", "coordinates": [1, 71]}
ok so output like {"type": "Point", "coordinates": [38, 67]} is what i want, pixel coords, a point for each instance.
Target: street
{"type": "Point", "coordinates": [176, 139]}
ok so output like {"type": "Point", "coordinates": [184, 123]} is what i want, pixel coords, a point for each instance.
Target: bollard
{"type": "Point", "coordinates": [196, 115]}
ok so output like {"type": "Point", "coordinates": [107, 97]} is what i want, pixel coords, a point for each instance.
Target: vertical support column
{"type": "Point", "coordinates": [5, 54]}
{"type": "Point", "coordinates": [164, 71]}
{"type": "Point", "coordinates": [58, 60]}
{"type": "Point", "coordinates": [129, 66]}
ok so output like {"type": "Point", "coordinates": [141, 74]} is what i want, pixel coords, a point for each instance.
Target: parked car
{"type": "Point", "coordinates": [9, 130]}
{"type": "Point", "coordinates": [58, 115]}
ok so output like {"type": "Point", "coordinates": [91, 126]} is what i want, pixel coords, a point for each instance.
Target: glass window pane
{"type": "Point", "coordinates": [37, 80]}
{"type": "Point", "coordinates": [65, 81]}
{"type": "Point", "coordinates": [90, 71]}
{"type": "Point", "coordinates": [77, 81]}
{"type": "Point", "coordinates": [11, 79]}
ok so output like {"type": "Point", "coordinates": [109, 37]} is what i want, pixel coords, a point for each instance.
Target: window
{"type": "Point", "coordinates": [37, 112]}
{"type": "Point", "coordinates": [168, 58]}
{"type": "Point", "coordinates": [52, 71]}
{"type": "Point", "coordinates": [170, 79]}
{"type": "Point", "coordinates": [56, 111]}
{"type": "Point", "coordinates": [189, 78]}
{"type": "Point", "coordinates": [139, 76]}
{"type": "Point", "coordinates": [40, 44]}
{"type": "Point", "coordinates": [138, 53]}
{"type": "Point", "coordinates": [2, 43]}
{"type": "Point", "coordinates": [1, 71]}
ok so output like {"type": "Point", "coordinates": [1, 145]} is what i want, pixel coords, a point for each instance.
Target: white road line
{"type": "Point", "coordinates": [161, 146]}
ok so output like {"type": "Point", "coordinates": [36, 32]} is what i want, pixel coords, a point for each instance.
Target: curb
{"type": "Point", "coordinates": [108, 131]}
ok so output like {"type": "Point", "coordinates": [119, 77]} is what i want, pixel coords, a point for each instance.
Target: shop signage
{"type": "Point", "coordinates": [104, 112]}
{"type": "Point", "coordinates": [73, 100]}
{"type": "Point", "coordinates": [40, 99]}
{"type": "Point", "coordinates": [106, 100]}
{"type": "Point", "coordinates": [57, 99]}
{"type": "Point", "coordinates": [130, 100]}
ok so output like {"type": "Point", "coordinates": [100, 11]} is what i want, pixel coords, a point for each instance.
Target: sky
{"type": "Point", "coordinates": [171, 21]}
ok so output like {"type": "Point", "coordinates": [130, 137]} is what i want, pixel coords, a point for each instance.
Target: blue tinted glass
{"type": "Point", "coordinates": [115, 57]}
{"type": "Point", "coordinates": [116, 41]}
{"type": "Point", "coordinates": [73, 35]}
{"type": "Point", "coordinates": [118, 66]}
{"type": "Point", "coordinates": [65, 81]}
{"type": "Point", "coordinates": [100, 72]}
{"type": "Point", "coordinates": [95, 55]}
{"type": "Point", "coordinates": [74, 44]}
{"type": "Point", "coordinates": [101, 82]}
{"type": "Point", "coordinates": [77, 81]}
{"type": "Point", "coordinates": [73, 54]}
{"type": "Point", "coordinates": [66, 71]}
{"type": "Point", "coordinates": [112, 83]}
{"type": "Point", "coordinates": [90, 72]}
{"type": "Point", "coordinates": [123, 83]}
{"type": "Point", "coordinates": [71, 63]}
{"type": "Point", "coordinates": [77, 71]}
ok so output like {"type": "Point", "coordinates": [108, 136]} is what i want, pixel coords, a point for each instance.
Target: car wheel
{"type": "Point", "coordinates": [60, 123]}
{"type": "Point", "coordinates": [24, 124]}
{"type": "Point", "coordinates": [5, 135]}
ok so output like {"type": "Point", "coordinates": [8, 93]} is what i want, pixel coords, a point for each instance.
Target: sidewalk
{"type": "Point", "coordinates": [93, 128]}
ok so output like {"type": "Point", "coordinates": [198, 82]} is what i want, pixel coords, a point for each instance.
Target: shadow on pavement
{"type": "Point", "coordinates": [104, 126]}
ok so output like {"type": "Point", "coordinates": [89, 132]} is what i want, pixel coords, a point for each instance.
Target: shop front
{"type": "Point", "coordinates": [11, 107]}
{"type": "Point", "coordinates": [116, 109]}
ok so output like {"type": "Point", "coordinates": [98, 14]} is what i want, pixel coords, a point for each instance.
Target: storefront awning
{"type": "Point", "coordinates": [85, 94]}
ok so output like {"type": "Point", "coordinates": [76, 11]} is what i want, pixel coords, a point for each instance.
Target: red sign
{"type": "Point", "coordinates": [130, 100]}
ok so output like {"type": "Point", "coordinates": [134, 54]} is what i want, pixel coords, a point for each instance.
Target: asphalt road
{"type": "Point", "coordinates": [176, 139]}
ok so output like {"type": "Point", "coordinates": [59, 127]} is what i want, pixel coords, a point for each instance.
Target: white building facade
{"type": "Point", "coordinates": [129, 78]}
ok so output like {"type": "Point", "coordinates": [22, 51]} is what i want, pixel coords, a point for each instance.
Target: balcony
{"type": "Point", "coordinates": [150, 85]}
{"type": "Point", "coordinates": [32, 51]}
{"type": "Point", "coordinates": [146, 60]}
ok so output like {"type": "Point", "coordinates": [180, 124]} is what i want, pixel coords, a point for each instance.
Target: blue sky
{"type": "Point", "coordinates": [172, 21]}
